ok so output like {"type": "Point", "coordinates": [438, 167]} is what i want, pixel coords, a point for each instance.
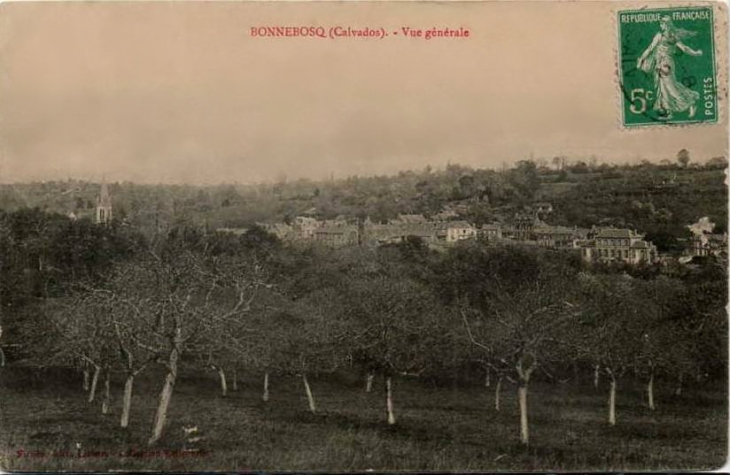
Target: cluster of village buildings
{"type": "Point", "coordinates": [598, 244]}
{"type": "Point", "coordinates": [602, 244]}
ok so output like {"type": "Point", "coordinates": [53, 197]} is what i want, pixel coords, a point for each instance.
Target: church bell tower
{"type": "Point", "coordinates": [103, 206]}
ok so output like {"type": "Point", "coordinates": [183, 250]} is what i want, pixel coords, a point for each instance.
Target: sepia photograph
{"type": "Point", "coordinates": [372, 236]}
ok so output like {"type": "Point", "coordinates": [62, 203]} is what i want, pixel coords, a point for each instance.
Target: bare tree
{"type": "Point", "coordinates": [658, 330]}
{"type": "Point", "coordinates": [116, 309]}
{"type": "Point", "coordinates": [255, 339]}
{"type": "Point", "coordinates": [395, 327]}
{"type": "Point", "coordinates": [80, 335]}
{"type": "Point", "coordinates": [195, 297]}
{"type": "Point", "coordinates": [521, 329]}
{"type": "Point", "coordinates": [132, 332]}
{"type": "Point", "coordinates": [488, 343]}
{"type": "Point", "coordinates": [161, 306]}
{"type": "Point", "coordinates": [608, 332]}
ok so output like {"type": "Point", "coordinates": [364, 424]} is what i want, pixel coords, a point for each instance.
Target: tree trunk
{"type": "Point", "coordinates": [107, 397]}
{"type": "Point", "coordinates": [127, 401]}
{"type": "Point", "coordinates": [497, 393]}
{"type": "Point", "coordinates": [86, 378]}
{"type": "Point", "coordinates": [678, 390]}
{"type": "Point", "coordinates": [2, 358]}
{"type": "Point", "coordinates": [523, 385]}
{"type": "Point", "coordinates": [596, 375]}
{"type": "Point", "coordinates": [94, 381]}
{"type": "Point", "coordinates": [612, 403]}
{"type": "Point", "coordinates": [310, 396]}
{"type": "Point", "coordinates": [165, 396]}
{"type": "Point", "coordinates": [265, 395]}
{"type": "Point", "coordinates": [650, 392]}
{"type": "Point", "coordinates": [369, 382]}
{"type": "Point", "coordinates": [389, 401]}
{"type": "Point", "coordinates": [224, 384]}
{"type": "Point", "coordinates": [522, 395]}
{"type": "Point", "coordinates": [235, 379]}
{"type": "Point", "coordinates": [488, 378]}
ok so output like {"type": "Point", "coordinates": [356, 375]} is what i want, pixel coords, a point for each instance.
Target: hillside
{"type": "Point", "coordinates": [658, 200]}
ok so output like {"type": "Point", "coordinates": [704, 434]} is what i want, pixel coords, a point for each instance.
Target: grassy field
{"type": "Point", "coordinates": [439, 427]}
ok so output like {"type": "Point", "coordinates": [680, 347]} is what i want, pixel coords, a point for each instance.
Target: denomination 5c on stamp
{"type": "Point", "coordinates": [667, 66]}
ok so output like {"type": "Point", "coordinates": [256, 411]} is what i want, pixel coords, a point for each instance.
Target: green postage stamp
{"type": "Point", "coordinates": [667, 66]}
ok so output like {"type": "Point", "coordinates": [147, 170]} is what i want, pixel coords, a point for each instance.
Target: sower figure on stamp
{"type": "Point", "coordinates": [658, 59]}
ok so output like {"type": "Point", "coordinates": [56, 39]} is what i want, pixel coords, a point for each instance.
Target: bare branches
{"type": "Point", "coordinates": [471, 335]}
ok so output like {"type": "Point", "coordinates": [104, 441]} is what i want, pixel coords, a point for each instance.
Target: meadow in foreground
{"type": "Point", "coordinates": [451, 426]}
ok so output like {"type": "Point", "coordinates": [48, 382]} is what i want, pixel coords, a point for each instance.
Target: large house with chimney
{"type": "Point", "coordinates": [617, 245]}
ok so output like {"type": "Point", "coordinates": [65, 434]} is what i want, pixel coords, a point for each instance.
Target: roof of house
{"type": "Point", "coordinates": [337, 230]}
{"type": "Point", "coordinates": [554, 230]}
{"type": "Point", "coordinates": [615, 233]}
{"type": "Point", "coordinates": [332, 223]}
{"type": "Point", "coordinates": [280, 227]}
{"type": "Point", "coordinates": [456, 224]}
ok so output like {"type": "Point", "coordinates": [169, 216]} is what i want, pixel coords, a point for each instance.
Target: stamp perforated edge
{"type": "Point", "coordinates": [720, 57]}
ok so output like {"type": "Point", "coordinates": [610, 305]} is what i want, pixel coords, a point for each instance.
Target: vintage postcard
{"type": "Point", "coordinates": [363, 236]}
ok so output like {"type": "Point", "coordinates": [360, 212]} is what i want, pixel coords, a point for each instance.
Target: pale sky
{"type": "Point", "coordinates": [180, 92]}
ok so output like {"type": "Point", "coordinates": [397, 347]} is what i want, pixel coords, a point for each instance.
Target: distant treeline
{"type": "Point", "coordinates": [657, 199]}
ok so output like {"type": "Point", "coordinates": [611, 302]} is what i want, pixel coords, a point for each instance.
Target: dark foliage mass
{"type": "Point", "coordinates": [48, 258]}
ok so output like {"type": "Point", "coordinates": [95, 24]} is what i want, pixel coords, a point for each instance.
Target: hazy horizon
{"type": "Point", "coordinates": [287, 179]}
{"type": "Point", "coordinates": [187, 96]}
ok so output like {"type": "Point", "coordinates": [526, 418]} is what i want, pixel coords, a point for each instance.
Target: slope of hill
{"type": "Point", "coordinates": [660, 201]}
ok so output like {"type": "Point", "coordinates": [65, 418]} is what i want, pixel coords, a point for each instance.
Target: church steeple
{"type": "Point", "coordinates": [103, 206]}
